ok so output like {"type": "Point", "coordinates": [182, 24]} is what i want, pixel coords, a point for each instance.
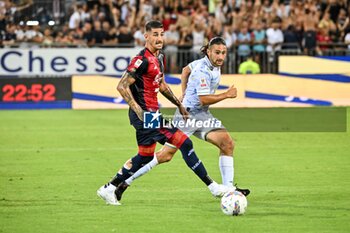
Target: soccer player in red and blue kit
{"type": "Point", "coordinates": [139, 87]}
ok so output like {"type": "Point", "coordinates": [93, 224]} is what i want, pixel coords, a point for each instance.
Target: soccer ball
{"type": "Point", "coordinates": [234, 203]}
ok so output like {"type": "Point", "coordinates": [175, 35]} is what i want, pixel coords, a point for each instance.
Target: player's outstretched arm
{"type": "Point", "coordinates": [124, 90]}
{"type": "Point", "coordinates": [168, 93]}
{"type": "Point", "coordinates": [213, 99]}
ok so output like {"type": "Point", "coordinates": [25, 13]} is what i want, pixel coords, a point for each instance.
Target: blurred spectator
{"type": "Point", "coordinates": [2, 22]}
{"type": "Point", "coordinates": [198, 37]}
{"type": "Point", "coordinates": [328, 24]}
{"type": "Point", "coordinates": [347, 41]}
{"type": "Point", "coordinates": [47, 38]}
{"type": "Point", "coordinates": [125, 11]}
{"type": "Point", "coordinates": [184, 19]}
{"type": "Point", "coordinates": [110, 34]}
{"type": "Point", "coordinates": [334, 8]}
{"type": "Point", "coordinates": [215, 30]}
{"type": "Point", "coordinates": [147, 9]}
{"type": "Point", "coordinates": [249, 67]}
{"type": "Point", "coordinates": [233, 35]}
{"type": "Point", "coordinates": [10, 8]}
{"type": "Point", "coordinates": [115, 17]}
{"type": "Point", "coordinates": [94, 13]}
{"type": "Point", "coordinates": [171, 39]}
{"type": "Point", "coordinates": [282, 9]}
{"type": "Point", "coordinates": [227, 35]}
{"type": "Point", "coordinates": [185, 45]}
{"type": "Point", "coordinates": [88, 35]}
{"type": "Point", "coordinates": [209, 27]}
{"type": "Point", "coordinates": [10, 35]}
{"type": "Point", "coordinates": [274, 36]}
{"type": "Point", "coordinates": [186, 39]}
{"type": "Point", "coordinates": [62, 39]}
{"type": "Point", "coordinates": [65, 29]}
{"type": "Point", "coordinates": [104, 10]}
{"type": "Point", "coordinates": [76, 19]}
{"type": "Point", "coordinates": [33, 34]}
{"type": "Point", "coordinates": [259, 38]}
{"type": "Point", "coordinates": [98, 35]}
{"type": "Point", "coordinates": [267, 8]}
{"type": "Point", "coordinates": [125, 37]}
{"type": "Point", "coordinates": [342, 22]}
{"type": "Point", "coordinates": [323, 40]}
{"type": "Point", "coordinates": [75, 37]}
{"type": "Point", "coordinates": [310, 26]}
{"type": "Point", "coordinates": [219, 13]}
{"type": "Point", "coordinates": [139, 37]}
{"type": "Point", "coordinates": [290, 38]}
{"type": "Point", "coordinates": [166, 21]}
{"type": "Point", "coordinates": [326, 21]}
{"type": "Point", "coordinates": [244, 40]}
{"type": "Point", "coordinates": [20, 33]}
{"type": "Point", "coordinates": [199, 16]}
{"type": "Point", "coordinates": [85, 14]}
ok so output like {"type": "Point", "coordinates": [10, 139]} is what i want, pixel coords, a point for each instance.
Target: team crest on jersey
{"type": "Point", "coordinates": [138, 63]}
{"type": "Point", "coordinates": [203, 82]}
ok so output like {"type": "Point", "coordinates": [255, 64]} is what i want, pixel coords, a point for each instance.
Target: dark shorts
{"type": "Point", "coordinates": [310, 40]}
{"type": "Point", "coordinates": [147, 138]}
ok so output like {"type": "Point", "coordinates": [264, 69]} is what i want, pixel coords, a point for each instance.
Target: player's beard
{"type": "Point", "coordinates": [218, 63]}
{"type": "Point", "coordinates": [158, 45]}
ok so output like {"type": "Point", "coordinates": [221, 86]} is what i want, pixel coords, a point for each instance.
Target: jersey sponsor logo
{"type": "Point", "coordinates": [138, 63]}
{"type": "Point", "coordinates": [203, 82]}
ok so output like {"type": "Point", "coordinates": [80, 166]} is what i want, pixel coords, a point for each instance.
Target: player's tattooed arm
{"type": "Point", "coordinates": [168, 93]}
{"type": "Point", "coordinates": [124, 90]}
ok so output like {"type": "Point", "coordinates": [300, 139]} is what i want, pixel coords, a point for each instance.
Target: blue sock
{"type": "Point", "coordinates": [130, 167]}
{"type": "Point", "coordinates": [193, 162]}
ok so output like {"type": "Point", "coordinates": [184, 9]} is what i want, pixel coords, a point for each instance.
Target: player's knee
{"type": "Point", "coordinates": [227, 146]}
{"type": "Point", "coordinates": [164, 157]}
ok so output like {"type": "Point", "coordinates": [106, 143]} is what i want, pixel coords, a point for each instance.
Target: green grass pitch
{"type": "Point", "coordinates": [53, 161]}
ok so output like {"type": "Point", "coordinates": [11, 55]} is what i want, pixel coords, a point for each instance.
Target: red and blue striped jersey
{"type": "Point", "coordinates": [148, 71]}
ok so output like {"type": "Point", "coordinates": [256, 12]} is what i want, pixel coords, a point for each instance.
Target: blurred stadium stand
{"type": "Point", "coordinates": [262, 29]}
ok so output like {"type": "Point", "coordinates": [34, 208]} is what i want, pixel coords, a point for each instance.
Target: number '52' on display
{"type": "Point", "coordinates": [34, 92]}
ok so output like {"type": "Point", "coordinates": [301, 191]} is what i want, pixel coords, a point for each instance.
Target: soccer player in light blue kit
{"type": "Point", "coordinates": [200, 79]}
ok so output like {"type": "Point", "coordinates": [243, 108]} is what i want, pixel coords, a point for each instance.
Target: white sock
{"type": "Point", "coordinates": [226, 169]}
{"type": "Point", "coordinates": [143, 170]}
{"type": "Point", "coordinates": [212, 186]}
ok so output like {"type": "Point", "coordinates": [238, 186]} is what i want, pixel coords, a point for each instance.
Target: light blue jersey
{"type": "Point", "coordinates": [204, 80]}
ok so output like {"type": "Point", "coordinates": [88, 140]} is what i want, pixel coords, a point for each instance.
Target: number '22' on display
{"type": "Point", "coordinates": [21, 93]}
